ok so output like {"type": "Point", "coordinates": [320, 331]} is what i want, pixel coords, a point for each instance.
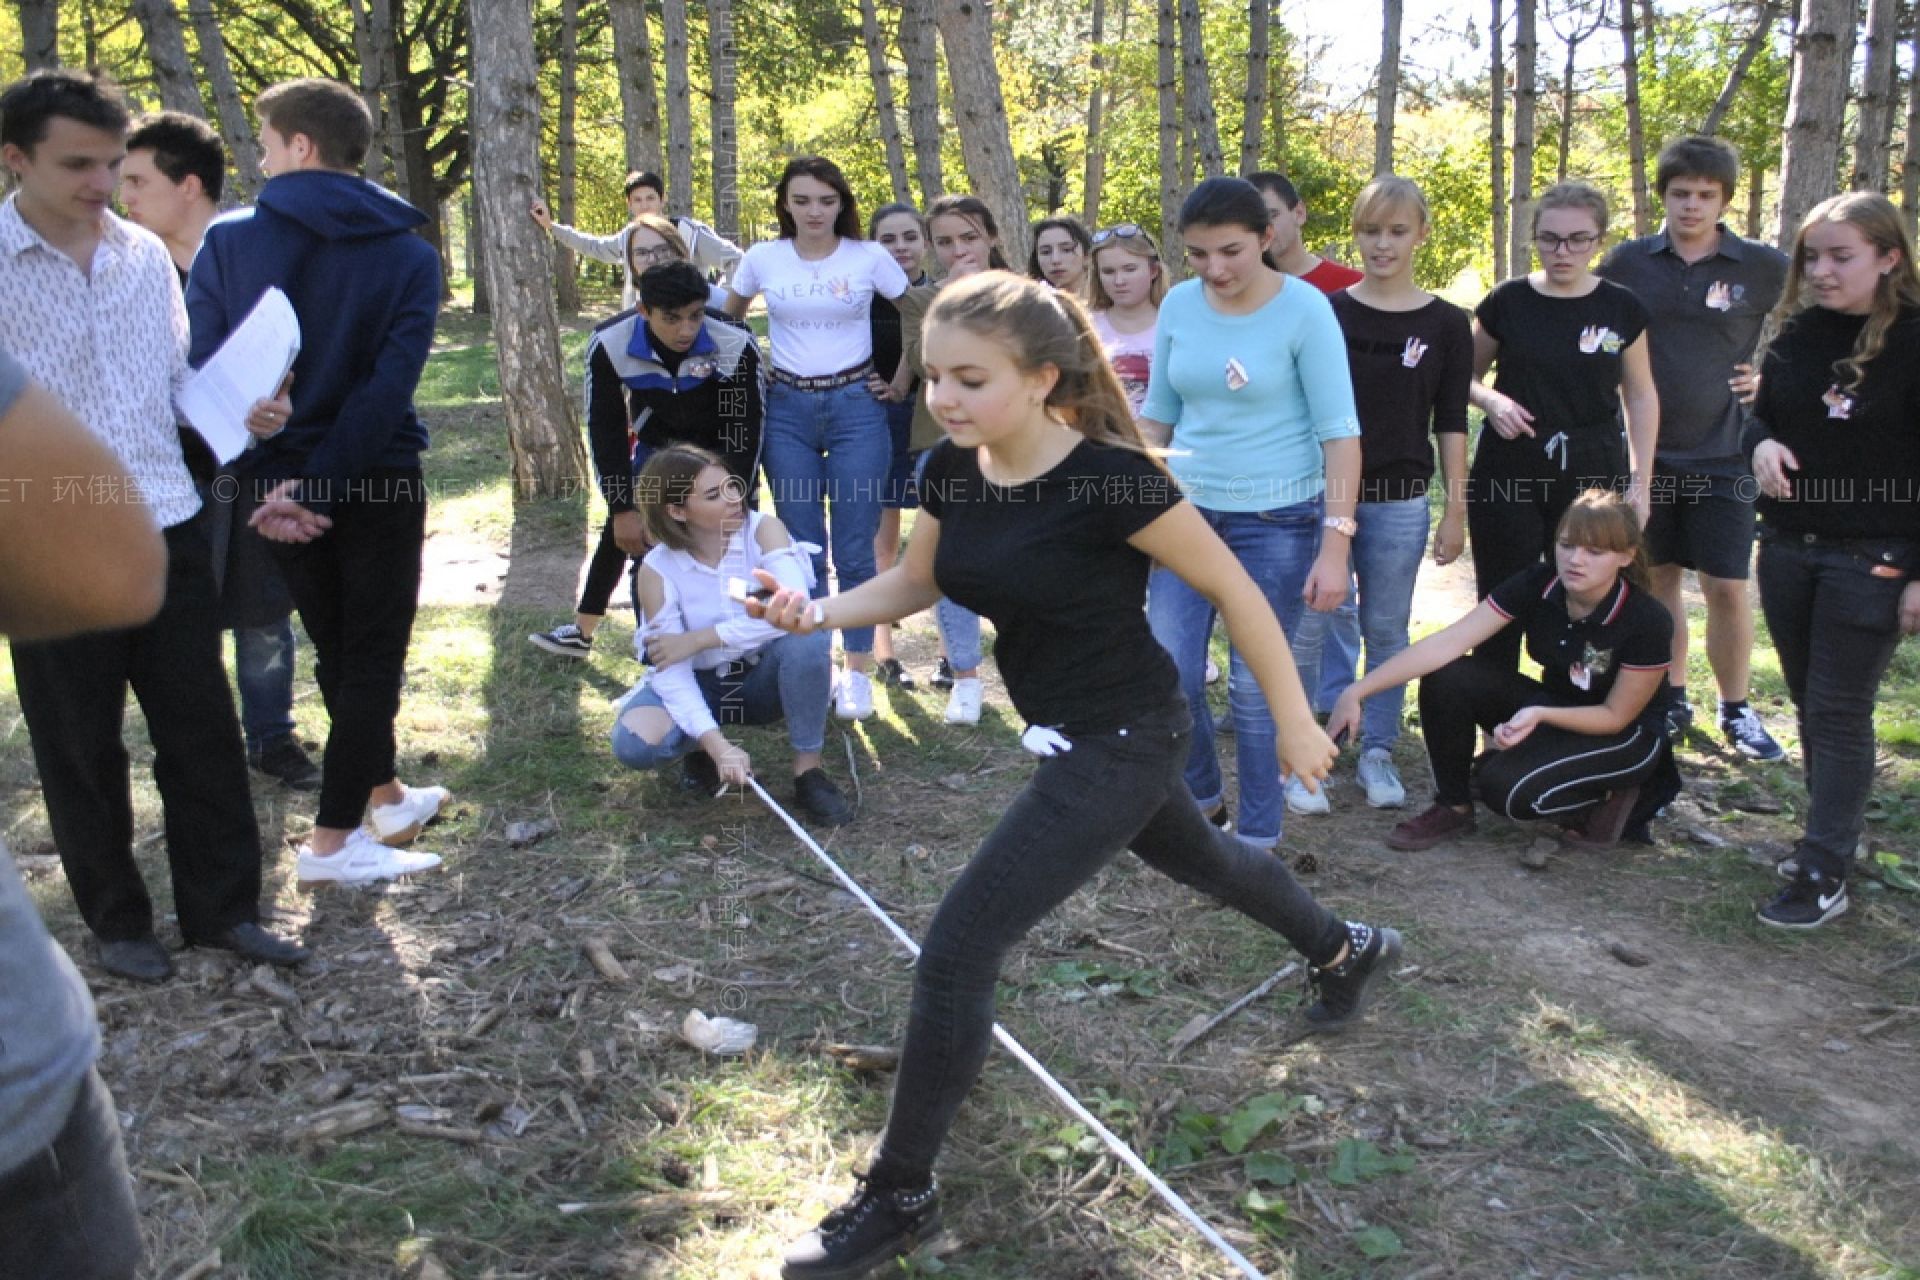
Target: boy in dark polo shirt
{"type": "Point", "coordinates": [1707, 292]}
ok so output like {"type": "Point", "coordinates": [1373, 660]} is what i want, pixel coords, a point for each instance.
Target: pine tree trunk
{"type": "Point", "coordinates": [1756, 199]}
{"type": "Point", "coordinates": [1197, 80]}
{"type": "Point", "coordinates": [673, 20]}
{"type": "Point", "coordinates": [1816, 105]}
{"type": "Point", "coordinates": [374, 167]}
{"type": "Point", "coordinates": [966, 28]}
{"type": "Point", "coordinates": [1096, 172]}
{"type": "Point", "coordinates": [422, 185]}
{"type": "Point", "coordinates": [1873, 136]}
{"type": "Point", "coordinates": [1910, 160]}
{"type": "Point", "coordinates": [548, 459]}
{"type": "Point", "coordinates": [477, 256]}
{"type": "Point", "coordinates": [1253, 102]}
{"type": "Point", "coordinates": [1636, 129]}
{"type": "Point", "coordinates": [236, 128]}
{"type": "Point", "coordinates": [567, 155]}
{"type": "Point", "coordinates": [40, 33]}
{"type": "Point", "coordinates": [725, 56]}
{"type": "Point", "coordinates": [1565, 122]}
{"type": "Point", "coordinates": [1762, 32]}
{"type": "Point", "coordinates": [383, 20]}
{"type": "Point", "coordinates": [1525, 96]}
{"type": "Point", "coordinates": [639, 92]}
{"type": "Point", "coordinates": [1388, 101]}
{"type": "Point", "coordinates": [1277, 87]}
{"type": "Point", "coordinates": [1172, 182]}
{"type": "Point", "coordinates": [1497, 139]}
{"type": "Point", "coordinates": [919, 48]}
{"type": "Point", "coordinates": [167, 49]}
{"type": "Point", "coordinates": [883, 101]}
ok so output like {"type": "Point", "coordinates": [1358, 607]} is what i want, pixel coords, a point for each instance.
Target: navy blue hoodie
{"type": "Point", "coordinates": [367, 291]}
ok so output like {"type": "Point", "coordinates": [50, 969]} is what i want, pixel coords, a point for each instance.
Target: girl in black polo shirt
{"type": "Point", "coordinates": [1043, 511]}
{"type": "Point", "coordinates": [1575, 744]}
{"type": "Point", "coordinates": [1835, 440]}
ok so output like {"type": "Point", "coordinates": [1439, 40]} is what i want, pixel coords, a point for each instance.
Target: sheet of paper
{"type": "Point", "coordinates": [248, 366]}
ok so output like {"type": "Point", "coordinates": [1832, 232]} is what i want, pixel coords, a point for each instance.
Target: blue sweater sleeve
{"type": "Point", "coordinates": [1321, 359]}
{"type": "Point", "coordinates": [1163, 402]}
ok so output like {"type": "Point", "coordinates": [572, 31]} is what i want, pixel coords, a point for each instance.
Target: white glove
{"type": "Point", "coordinates": [1044, 742]}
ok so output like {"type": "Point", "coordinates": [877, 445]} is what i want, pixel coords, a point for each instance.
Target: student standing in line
{"type": "Point", "coordinates": [1250, 388]}
{"type": "Point", "coordinates": [1707, 292]}
{"type": "Point", "coordinates": [1837, 455]}
{"type": "Point", "coordinates": [1044, 510]}
{"type": "Point", "coordinates": [902, 232]}
{"type": "Point", "coordinates": [826, 434]}
{"type": "Point", "coordinates": [706, 248]}
{"type": "Point", "coordinates": [1061, 252]}
{"type": "Point", "coordinates": [1124, 294]}
{"type": "Point", "coordinates": [1289, 214]}
{"type": "Point", "coordinates": [1412, 359]}
{"type": "Point", "coordinates": [1571, 350]}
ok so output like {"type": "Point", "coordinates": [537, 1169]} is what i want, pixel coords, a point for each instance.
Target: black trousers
{"type": "Point", "coordinates": [68, 1210]}
{"type": "Point", "coordinates": [604, 572]}
{"type": "Point", "coordinates": [357, 587]}
{"type": "Point", "coordinates": [1552, 773]}
{"type": "Point", "coordinates": [74, 695]}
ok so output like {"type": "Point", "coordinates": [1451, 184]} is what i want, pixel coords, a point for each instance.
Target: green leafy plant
{"type": "Point", "coordinates": [1356, 1160]}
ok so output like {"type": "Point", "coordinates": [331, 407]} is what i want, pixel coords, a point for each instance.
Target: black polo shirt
{"type": "Point", "coordinates": [1703, 318]}
{"type": "Point", "coordinates": [1579, 660]}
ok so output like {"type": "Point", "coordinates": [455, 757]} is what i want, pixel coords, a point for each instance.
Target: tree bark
{"type": "Point", "coordinates": [1278, 85]}
{"type": "Point", "coordinates": [639, 93]}
{"type": "Point", "coordinates": [548, 460]}
{"type": "Point", "coordinates": [725, 141]}
{"type": "Point", "coordinates": [673, 20]}
{"type": "Point", "coordinates": [1203, 128]}
{"type": "Point", "coordinates": [1755, 42]}
{"type": "Point", "coordinates": [1636, 127]}
{"type": "Point", "coordinates": [1497, 139]}
{"type": "Point", "coordinates": [374, 167]}
{"type": "Point", "coordinates": [1096, 172]}
{"type": "Point", "coordinates": [1253, 102]}
{"type": "Point", "coordinates": [383, 31]}
{"type": "Point", "coordinates": [1525, 96]}
{"type": "Point", "coordinates": [567, 154]}
{"type": "Point", "coordinates": [882, 101]}
{"type": "Point", "coordinates": [477, 256]}
{"type": "Point", "coordinates": [920, 50]}
{"type": "Point", "coordinates": [167, 50]}
{"type": "Point", "coordinates": [1386, 103]}
{"type": "Point", "coordinates": [1910, 160]}
{"type": "Point", "coordinates": [1873, 136]}
{"type": "Point", "coordinates": [1756, 199]}
{"type": "Point", "coordinates": [966, 28]}
{"type": "Point", "coordinates": [236, 129]}
{"type": "Point", "coordinates": [1172, 181]}
{"type": "Point", "coordinates": [40, 33]}
{"type": "Point", "coordinates": [1816, 104]}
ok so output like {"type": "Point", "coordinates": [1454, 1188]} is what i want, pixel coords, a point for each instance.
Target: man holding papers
{"type": "Point", "coordinates": [89, 304]}
{"type": "Point", "coordinates": [338, 463]}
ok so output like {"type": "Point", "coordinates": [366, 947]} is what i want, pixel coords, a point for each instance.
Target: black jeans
{"type": "Point", "coordinates": [357, 586]}
{"type": "Point", "coordinates": [74, 695]}
{"type": "Point", "coordinates": [1835, 625]}
{"type": "Point", "coordinates": [68, 1210]}
{"type": "Point", "coordinates": [1078, 812]}
{"type": "Point", "coordinates": [1552, 773]}
{"type": "Point", "coordinates": [603, 574]}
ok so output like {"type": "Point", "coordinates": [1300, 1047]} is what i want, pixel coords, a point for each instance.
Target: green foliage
{"type": "Point", "coordinates": [1356, 1160]}
{"type": "Point", "coordinates": [1377, 1242]}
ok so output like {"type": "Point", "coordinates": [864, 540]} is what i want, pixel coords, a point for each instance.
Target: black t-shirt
{"type": "Point", "coordinates": [1411, 371]}
{"type": "Point", "coordinates": [1579, 660]}
{"type": "Point", "coordinates": [1048, 562]}
{"type": "Point", "coordinates": [887, 344]}
{"type": "Point", "coordinates": [1560, 359]}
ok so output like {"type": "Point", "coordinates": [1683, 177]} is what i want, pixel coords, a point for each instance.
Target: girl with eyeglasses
{"type": "Point", "coordinates": [1124, 293]}
{"type": "Point", "coordinates": [1571, 350]}
{"type": "Point", "coordinates": [1061, 250]}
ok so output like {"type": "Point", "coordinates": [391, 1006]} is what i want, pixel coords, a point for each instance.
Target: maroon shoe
{"type": "Point", "coordinates": [1438, 824]}
{"type": "Point", "coordinates": [1604, 822]}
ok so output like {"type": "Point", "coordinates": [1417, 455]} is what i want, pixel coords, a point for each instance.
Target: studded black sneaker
{"type": "Point", "coordinates": [1341, 991]}
{"type": "Point", "coordinates": [875, 1226]}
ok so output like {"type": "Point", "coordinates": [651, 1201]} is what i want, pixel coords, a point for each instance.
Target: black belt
{"type": "Point", "coordinates": [825, 381]}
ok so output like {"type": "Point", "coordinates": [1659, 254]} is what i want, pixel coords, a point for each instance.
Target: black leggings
{"type": "Point", "coordinates": [603, 574]}
{"type": "Point", "coordinates": [1553, 773]}
{"type": "Point", "coordinates": [1113, 791]}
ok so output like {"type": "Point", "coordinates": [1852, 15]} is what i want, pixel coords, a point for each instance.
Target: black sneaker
{"type": "Point", "coordinates": [1807, 903]}
{"type": "Point", "coordinates": [1679, 714]}
{"type": "Point", "coordinates": [1341, 992]}
{"type": "Point", "coordinates": [565, 641]}
{"type": "Point", "coordinates": [888, 671]}
{"type": "Point", "coordinates": [824, 802]}
{"type": "Point", "coordinates": [943, 675]}
{"type": "Point", "coordinates": [1746, 734]}
{"type": "Point", "coordinates": [283, 758]}
{"type": "Point", "coordinates": [698, 773]}
{"type": "Point", "coordinates": [872, 1228]}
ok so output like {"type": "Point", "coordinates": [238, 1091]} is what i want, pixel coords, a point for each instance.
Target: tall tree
{"type": "Point", "coordinates": [1580, 25]}
{"type": "Point", "coordinates": [167, 48]}
{"type": "Point", "coordinates": [1873, 129]}
{"type": "Point", "coordinates": [673, 21]}
{"type": "Point", "coordinates": [1203, 128]}
{"type": "Point", "coordinates": [1173, 187]}
{"type": "Point", "coordinates": [920, 50]}
{"type": "Point", "coordinates": [1526, 48]}
{"type": "Point", "coordinates": [236, 129]}
{"type": "Point", "coordinates": [725, 57]}
{"type": "Point", "coordinates": [1387, 101]}
{"type": "Point", "coordinates": [567, 152]}
{"type": "Point", "coordinates": [1497, 138]}
{"type": "Point", "coordinates": [1910, 157]}
{"type": "Point", "coordinates": [367, 58]}
{"type": "Point", "coordinates": [1636, 127]}
{"type": "Point", "coordinates": [966, 29]}
{"type": "Point", "coordinates": [1736, 75]}
{"type": "Point", "coordinates": [1253, 100]}
{"type": "Point", "coordinates": [40, 32]}
{"type": "Point", "coordinates": [883, 100]}
{"type": "Point", "coordinates": [1816, 105]}
{"type": "Point", "coordinates": [383, 34]}
{"type": "Point", "coordinates": [1096, 109]}
{"type": "Point", "coordinates": [548, 460]}
{"type": "Point", "coordinates": [639, 92]}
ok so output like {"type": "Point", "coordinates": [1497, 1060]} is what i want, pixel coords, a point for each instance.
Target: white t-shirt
{"type": "Point", "coordinates": [817, 311]}
{"type": "Point", "coordinates": [1130, 354]}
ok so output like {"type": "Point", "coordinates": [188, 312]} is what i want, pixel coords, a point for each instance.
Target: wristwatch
{"type": "Point", "coordinates": [1341, 524]}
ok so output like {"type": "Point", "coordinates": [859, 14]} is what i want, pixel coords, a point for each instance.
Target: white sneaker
{"type": "Point", "coordinates": [1381, 779]}
{"type": "Point", "coordinates": [363, 860]}
{"type": "Point", "coordinates": [963, 704]}
{"type": "Point", "coordinates": [396, 824]}
{"type": "Point", "coordinates": [853, 700]}
{"type": "Point", "coordinates": [1301, 800]}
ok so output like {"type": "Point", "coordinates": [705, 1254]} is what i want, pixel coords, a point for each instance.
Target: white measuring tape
{"type": "Point", "coordinates": [1018, 1051]}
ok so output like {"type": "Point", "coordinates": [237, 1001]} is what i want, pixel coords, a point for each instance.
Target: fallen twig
{"type": "Point", "coordinates": [1199, 1027]}
{"type": "Point", "coordinates": [663, 1205]}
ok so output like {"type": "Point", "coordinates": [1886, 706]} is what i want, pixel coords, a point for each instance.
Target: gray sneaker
{"type": "Point", "coordinates": [1381, 779]}
{"type": "Point", "coordinates": [1300, 800]}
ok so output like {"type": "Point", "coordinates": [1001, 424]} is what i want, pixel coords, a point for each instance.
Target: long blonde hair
{"type": "Point", "coordinates": [1038, 325]}
{"type": "Point", "coordinates": [1883, 227]}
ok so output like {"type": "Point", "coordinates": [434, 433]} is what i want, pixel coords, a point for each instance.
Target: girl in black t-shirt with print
{"type": "Point", "coordinates": [1571, 348]}
{"type": "Point", "coordinates": [1575, 744]}
{"type": "Point", "coordinates": [1043, 511]}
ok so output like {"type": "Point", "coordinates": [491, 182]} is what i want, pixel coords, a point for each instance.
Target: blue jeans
{"type": "Point", "coordinates": [825, 447]}
{"type": "Point", "coordinates": [1337, 650]}
{"type": "Point", "coordinates": [1386, 559]}
{"type": "Point", "coordinates": [263, 670]}
{"type": "Point", "coordinates": [1276, 548]}
{"type": "Point", "coordinates": [791, 681]}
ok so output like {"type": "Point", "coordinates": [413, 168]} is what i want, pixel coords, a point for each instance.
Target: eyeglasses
{"type": "Point", "coordinates": [658, 253]}
{"type": "Point", "coordinates": [1550, 243]}
{"type": "Point", "coordinates": [1124, 231]}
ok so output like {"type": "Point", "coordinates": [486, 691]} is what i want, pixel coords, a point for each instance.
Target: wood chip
{"type": "Point", "coordinates": [663, 1206]}
{"type": "Point", "coordinates": [339, 1121]}
{"type": "Point", "coordinates": [1628, 956]}
{"type": "Point", "coordinates": [417, 1129]}
{"type": "Point", "coordinates": [601, 956]}
{"type": "Point", "coordinates": [264, 980]}
{"type": "Point", "coordinates": [864, 1057]}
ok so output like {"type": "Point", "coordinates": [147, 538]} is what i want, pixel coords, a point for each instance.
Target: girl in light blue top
{"type": "Point", "coordinates": [1251, 393]}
